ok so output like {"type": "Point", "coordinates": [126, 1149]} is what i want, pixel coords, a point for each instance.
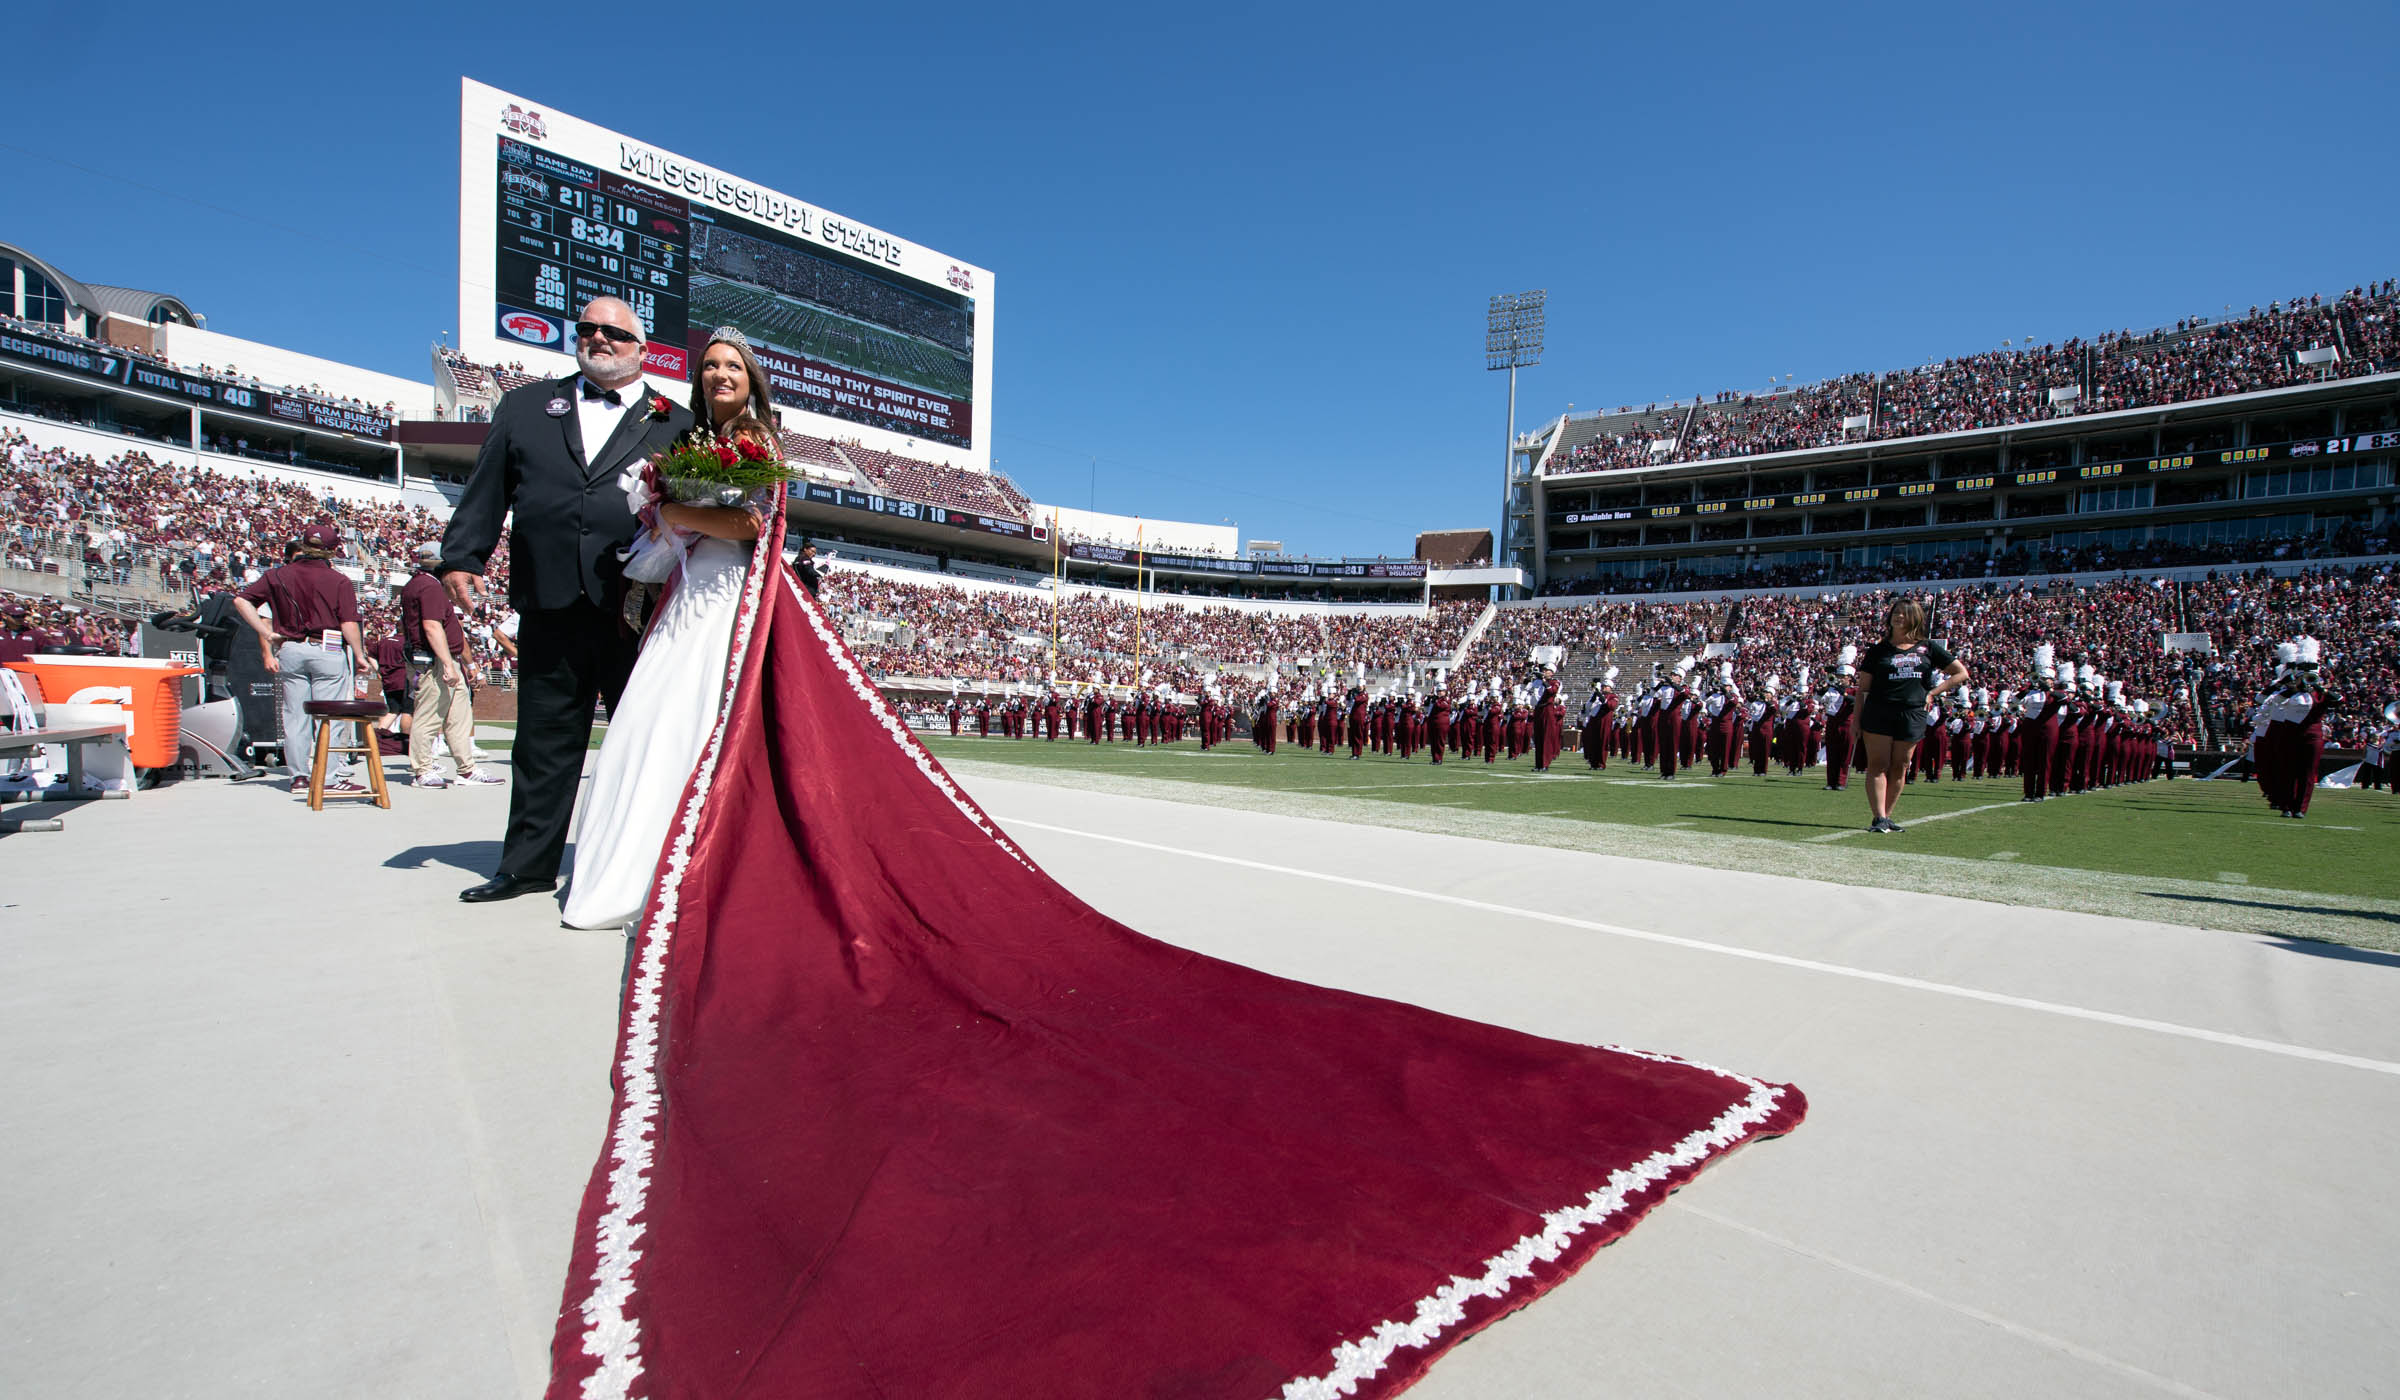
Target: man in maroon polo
{"type": "Point", "coordinates": [312, 647]}
{"type": "Point", "coordinates": [437, 647]}
{"type": "Point", "coordinates": [16, 637]}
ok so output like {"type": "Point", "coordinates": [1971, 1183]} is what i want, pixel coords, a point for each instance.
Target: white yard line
{"type": "Point", "coordinates": [1916, 821]}
{"type": "Point", "coordinates": [1358, 787]}
{"type": "Point", "coordinates": [1888, 979]}
{"type": "Point", "coordinates": [2015, 1329]}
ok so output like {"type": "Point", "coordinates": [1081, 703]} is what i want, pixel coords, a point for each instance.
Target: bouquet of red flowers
{"type": "Point", "coordinates": [698, 472]}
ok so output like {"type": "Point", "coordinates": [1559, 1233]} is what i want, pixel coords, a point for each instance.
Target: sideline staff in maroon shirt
{"type": "Point", "coordinates": [312, 643]}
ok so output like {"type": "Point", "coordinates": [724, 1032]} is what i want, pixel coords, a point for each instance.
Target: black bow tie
{"type": "Point", "coordinates": [607, 396]}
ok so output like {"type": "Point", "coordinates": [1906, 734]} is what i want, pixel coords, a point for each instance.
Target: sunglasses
{"type": "Point", "coordinates": [586, 330]}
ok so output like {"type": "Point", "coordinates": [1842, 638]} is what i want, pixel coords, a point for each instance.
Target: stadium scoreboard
{"type": "Point", "coordinates": [569, 233]}
{"type": "Point", "coordinates": [864, 336]}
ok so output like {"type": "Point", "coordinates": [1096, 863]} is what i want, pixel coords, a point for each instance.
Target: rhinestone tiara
{"type": "Point", "coordinates": [731, 335]}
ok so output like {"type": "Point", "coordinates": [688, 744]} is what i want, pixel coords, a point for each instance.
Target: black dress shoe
{"type": "Point", "coordinates": [505, 887]}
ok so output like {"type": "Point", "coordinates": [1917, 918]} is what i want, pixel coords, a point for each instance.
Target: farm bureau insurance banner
{"type": "Point", "coordinates": [114, 366]}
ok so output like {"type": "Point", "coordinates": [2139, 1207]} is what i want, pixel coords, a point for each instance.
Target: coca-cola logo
{"type": "Point", "coordinates": [525, 326]}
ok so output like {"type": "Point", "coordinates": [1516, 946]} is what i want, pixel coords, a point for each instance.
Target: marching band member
{"type": "Point", "coordinates": [2039, 708]}
{"type": "Point", "coordinates": [1597, 713]}
{"type": "Point", "coordinates": [1687, 713]}
{"type": "Point", "coordinates": [1762, 731]}
{"type": "Point", "coordinates": [1670, 739]}
{"type": "Point", "coordinates": [1722, 714]}
{"type": "Point", "coordinates": [1834, 705]}
{"type": "Point", "coordinates": [1549, 728]}
{"type": "Point", "coordinates": [2304, 709]}
{"type": "Point", "coordinates": [2383, 750]}
{"type": "Point", "coordinates": [1645, 725]}
{"type": "Point", "coordinates": [1929, 749]}
{"type": "Point", "coordinates": [1787, 732]}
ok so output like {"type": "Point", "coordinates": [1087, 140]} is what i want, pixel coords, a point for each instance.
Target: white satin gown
{"type": "Point", "coordinates": [655, 737]}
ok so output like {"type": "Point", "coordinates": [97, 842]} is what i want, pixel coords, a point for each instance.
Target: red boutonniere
{"type": "Point", "coordinates": [660, 408]}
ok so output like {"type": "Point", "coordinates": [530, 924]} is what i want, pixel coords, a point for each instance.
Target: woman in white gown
{"type": "Point", "coordinates": [658, 728]}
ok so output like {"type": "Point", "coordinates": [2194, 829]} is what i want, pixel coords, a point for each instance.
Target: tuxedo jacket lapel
{"type": "Point", "coordinates": [570, 423]}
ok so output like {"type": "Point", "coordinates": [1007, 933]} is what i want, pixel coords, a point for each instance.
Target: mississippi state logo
{"type": "Point", "coordinates": [525, 121]}
{"type": "Point", "coordinates": [961, 278]}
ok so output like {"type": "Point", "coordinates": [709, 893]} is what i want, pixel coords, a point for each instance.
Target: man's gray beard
{"type": "Point", "coordinates": [593, 371]}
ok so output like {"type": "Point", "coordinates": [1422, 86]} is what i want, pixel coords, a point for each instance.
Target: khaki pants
{"type": "Point", "coordinates": [442, 711]}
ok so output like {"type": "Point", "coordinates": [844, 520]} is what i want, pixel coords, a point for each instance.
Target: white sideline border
{"type": "Point", "coordinates": [1888, 979]}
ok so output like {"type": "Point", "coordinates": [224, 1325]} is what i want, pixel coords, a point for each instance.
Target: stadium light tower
{"type": "Point", "coordinates": [1512, 340]}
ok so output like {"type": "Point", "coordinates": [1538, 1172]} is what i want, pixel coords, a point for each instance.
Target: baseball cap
{"type": "Point", "coordinates": [429, 552]}
{"type": "Point", "coordinates": [322, 535]}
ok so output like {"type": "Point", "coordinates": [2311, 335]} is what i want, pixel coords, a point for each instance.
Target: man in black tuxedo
{"type": "Point", "coordinates": [550, 462]}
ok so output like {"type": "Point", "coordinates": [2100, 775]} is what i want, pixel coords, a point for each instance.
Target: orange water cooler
{"type": "Point", "coordinates": [144, 689]}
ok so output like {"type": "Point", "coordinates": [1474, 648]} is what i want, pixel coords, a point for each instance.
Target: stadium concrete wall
{"type": "Point", "coordinates": [1164, 536]}
{"type": "Point", "coordinates": [189, 345]}
{"type": "Point", "coordinates": [1279, 606]}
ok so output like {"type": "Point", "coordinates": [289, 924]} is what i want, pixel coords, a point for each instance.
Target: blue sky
{"type": "Point", "coordinates": [1245, 250]}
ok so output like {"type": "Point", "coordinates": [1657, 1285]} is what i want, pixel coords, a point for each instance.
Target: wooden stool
{"type": "Point", "coordinates": [360, 715]}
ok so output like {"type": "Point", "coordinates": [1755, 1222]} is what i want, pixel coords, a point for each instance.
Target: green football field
{"type": "Point", "coordinates": [2209, 853]}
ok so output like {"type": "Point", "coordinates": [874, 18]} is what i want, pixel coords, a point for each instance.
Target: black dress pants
{"type": "Point", "coordinates": [567, 659]}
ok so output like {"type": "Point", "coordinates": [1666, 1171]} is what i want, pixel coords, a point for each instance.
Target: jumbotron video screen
{"type": "Point", "coordinates": [851, 324]}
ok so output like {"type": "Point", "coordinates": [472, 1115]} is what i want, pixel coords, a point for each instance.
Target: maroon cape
{"type": "Point", "coordinates": [899, 1116]}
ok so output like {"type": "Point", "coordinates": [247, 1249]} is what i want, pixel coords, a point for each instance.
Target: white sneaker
{"type": "Point", "coordinates": [430, 780]}
{"type": "Point", "coordinates": [476, 777]}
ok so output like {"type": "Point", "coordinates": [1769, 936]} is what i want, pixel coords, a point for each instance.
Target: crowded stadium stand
{"type": "Point", "coordinates": [2305, 341]}
{"type": "Point", "coordinates": [2270, 436]}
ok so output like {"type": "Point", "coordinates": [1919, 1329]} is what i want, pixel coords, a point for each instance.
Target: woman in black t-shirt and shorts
{"type": "Point", "coordinates": [1902, 672]}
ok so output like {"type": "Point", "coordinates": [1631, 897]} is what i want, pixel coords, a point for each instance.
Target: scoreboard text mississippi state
{"type": "Point", "coordinates": [859, 334]}
{"type": "Point", "coordinates": [568, 233]}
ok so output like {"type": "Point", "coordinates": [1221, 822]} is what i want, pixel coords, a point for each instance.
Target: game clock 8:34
{"type": "Point", "coordinates": [568, 233]}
